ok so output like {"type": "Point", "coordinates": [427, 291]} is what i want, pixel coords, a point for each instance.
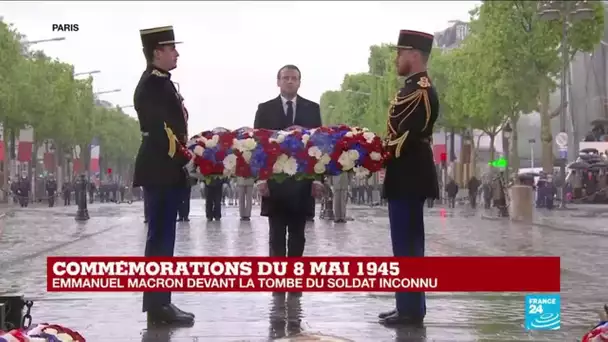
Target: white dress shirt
{"type": "Point", "coordinates": [293, 105]}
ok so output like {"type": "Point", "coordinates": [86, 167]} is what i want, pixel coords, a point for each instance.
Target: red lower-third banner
{"type": "Point", "coordinates": [311, 274]}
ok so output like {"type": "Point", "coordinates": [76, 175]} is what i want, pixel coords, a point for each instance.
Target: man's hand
{"type": "Point", "coordinates": [263, 189]}
{"type": "Point", "coordinates": [317, 189]}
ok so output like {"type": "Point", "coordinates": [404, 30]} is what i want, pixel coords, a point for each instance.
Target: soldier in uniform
{"type": "Point", "coordinates": [159, 168]}
{"type": "Point", "coordinates": [410, 171]}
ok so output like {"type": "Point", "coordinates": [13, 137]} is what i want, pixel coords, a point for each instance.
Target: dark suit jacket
{"type": "Point", "coordinates": [158, 103]}
{"type": "Point", "coordinates": [289, 198]}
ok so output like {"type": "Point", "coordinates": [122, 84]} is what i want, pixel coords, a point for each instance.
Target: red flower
{"type": "Point", "coordinates": [218, 168]}
{"type": "Point", "coordinates": [273, 149]}
{"type": "Point", "coordinates": [226, 140]}
{"type": "Point", "coordinates": [205, 166]}
{"type": "Point", "coordinates": [265, 173]}
{"type": "Point", "coordinates": [220, 155]}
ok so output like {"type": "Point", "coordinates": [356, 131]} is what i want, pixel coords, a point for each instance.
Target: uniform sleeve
{"type": "Point", "coordinates": [409, 113]}
{"type": "Point", "coordinates": [151, 110]}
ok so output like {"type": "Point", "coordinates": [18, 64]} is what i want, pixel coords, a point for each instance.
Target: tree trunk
{"type": "Point", "coordinates": [513, 152]}
{"type": "Point", "coordinates": [492, 149]}
{"type": "Point", "coordinates": [546, 136]}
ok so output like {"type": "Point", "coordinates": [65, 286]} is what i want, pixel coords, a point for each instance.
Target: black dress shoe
{"type": "Point", "coordinates": [245, 219]}
{"type": "Point", "coordinates": [168, 315]}
{"type": "Point", "coordinates": [385, 314]}
{"type": "Point", "coordinates": [209, 219]}
{"type": "Point", "coordinates": [186, 219]}
{"type": "Point", "coordinates": [182, 311]}
{"type": "Point", "coordinates": [145, 221]}
{"type": "Point", "coordinates": [218, 218]}
{"type": "Point", "coordinates": [397, 319]}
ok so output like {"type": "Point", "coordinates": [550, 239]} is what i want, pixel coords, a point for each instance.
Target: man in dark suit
{"type": "Point", "coordinates": [159, 168]}
{"type": "Point", "coordinates": [411, 176]}
{"type": "Point", "coordinates": [287, 205]}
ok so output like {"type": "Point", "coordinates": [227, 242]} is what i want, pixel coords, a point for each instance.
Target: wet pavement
{"type": "Point", "coordinates": [28, 235]}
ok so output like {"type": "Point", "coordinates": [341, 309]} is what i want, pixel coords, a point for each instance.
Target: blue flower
{"type": "Point", "coordinates": [332, 168]}
{"type": "Point", "coordinates": [257, 161]}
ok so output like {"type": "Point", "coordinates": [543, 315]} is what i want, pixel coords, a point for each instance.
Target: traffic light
{"type": "Point", "coordinates": [443, 157]}
{"type": "Point", "coordinates": [109, 171]}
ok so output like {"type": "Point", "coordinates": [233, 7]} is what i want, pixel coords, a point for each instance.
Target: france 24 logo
{"type": "Point", "coordinates": [543, 312]}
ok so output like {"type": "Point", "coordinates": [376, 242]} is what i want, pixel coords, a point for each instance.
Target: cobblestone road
{"type": "Point", "coordinates": [27, 236]}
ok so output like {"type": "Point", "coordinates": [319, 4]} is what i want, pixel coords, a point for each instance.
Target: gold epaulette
{"type": "Point", "coordinates": [410, 103]}
{"type": "Point", "coordinates": [158, 73]}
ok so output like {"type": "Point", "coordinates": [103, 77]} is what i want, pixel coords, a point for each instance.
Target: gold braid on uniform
{"type": "Point", "coordinates": [173, 141]}
{"type": "Point", "coordinates": [411, 102]}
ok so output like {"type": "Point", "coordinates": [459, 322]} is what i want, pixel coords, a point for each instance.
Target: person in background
{"type": "Point", "coordinates": [183, 211]}
{"type": "Point", "coordinates": [214, 192]}
{"type": "Point", "coordinates": [23, 190]}
{"type": "Point", "coordinates": [91, 189]}
{"type": "Point", "coordinates": [340, 195]}
{"type": "Point", "coordinates": [452, 190]}
{"type": "Point", "coordinates": [66, 191]}
{"type": "Point", "coordinates": [473, 187]}
{"type": "Point", "coordinates": [245, 192]}
{"type": "Point", "coordinates": [550, 192]}
{"type": "Point", "coordinates": [51, 189]}
{"type": "Point", "coordinates": [486, 190]}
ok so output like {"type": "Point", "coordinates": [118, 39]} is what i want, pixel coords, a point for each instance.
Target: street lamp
{"type": "Point", "coordinates": [87, 73]}
{"type": "Point", "coordinates": [107, 92]}
{"type": "Point", "coordinates": [567, 12]}
{"type": "Point", "coordinates": [506, 133]}
{"type": "Point", "coordinates": [32, 42]}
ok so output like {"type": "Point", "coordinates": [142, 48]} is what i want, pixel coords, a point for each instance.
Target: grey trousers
{"type": "Point", "coordinates": [340, 198]}
{"type": "Point", "coordinates": [245, 199]}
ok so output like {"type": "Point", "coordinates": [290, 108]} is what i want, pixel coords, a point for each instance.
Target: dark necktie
{"type": "Point", "coordinates": [289, 113]}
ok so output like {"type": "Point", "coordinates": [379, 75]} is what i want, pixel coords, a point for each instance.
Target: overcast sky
{"type": "Point", "coordinates": [231, 50]}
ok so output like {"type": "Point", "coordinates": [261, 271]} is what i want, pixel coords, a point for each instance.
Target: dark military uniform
{"type": "Point", "coordinates": [410, 172]}
{"type": "Point", "coordinates": [159, 166]}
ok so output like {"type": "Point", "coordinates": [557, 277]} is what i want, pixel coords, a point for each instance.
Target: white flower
{"type": "Point", "coordinates": [291, 166]}
{"type": "Point", "coordinates": [247, 156]}
{"type": "Point", "coordinates": [375, 156]}
{"type": "Point", "coordinates": [305, 138]}
{"type": "Point", "coordinates": [361, 172]}
{"type": "Point", "coordinates": [319, 168]}
{"type": "Point", "coordinates": [250, 133]}
{"type": "Point", "coordinates": [353, 155]}
{"type": "Point", "coordinates": [210, 143]}
{"type": "Point", "coordinates": [349, 134]}
{"type": "Point", "coordinates": [279, 164]}
{"type": "Point", "coordinates": [325, 159]}
{"type": "Point", "coordinates": [63, 337]}
{"type": "Point", "coordinates": [314, 151]}
{"type": "Point", "coordinates": [346, 162]}
{"type": "Point", "coordinates": [369, 136]}
{"type": "Point", "coordinates": [365, 129]}
{"type": "Point", "coordinates": [248, 144]}
{"type": "Point", "coordinates": [229, 163]}
{"type": "Point", "coordinates": [198, 150]}
{"type": "Point", "coordinates": [281, 138]}
{"type": "Point", "coordinates": [202, 140]}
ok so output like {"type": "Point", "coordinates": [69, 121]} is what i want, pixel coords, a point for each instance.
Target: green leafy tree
{"type": "Point", "coordinates": [523, 53]}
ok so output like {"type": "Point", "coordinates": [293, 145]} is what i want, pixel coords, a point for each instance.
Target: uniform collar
{"type": "Point", "coordinates": [415, 77]}
{"type": "Point", "coordinates": [159, 72]}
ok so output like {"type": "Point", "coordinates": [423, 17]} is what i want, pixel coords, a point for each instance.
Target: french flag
{"type": "Point", "coordinates": [94, 165]}
{"type": "Point", "coordinates": [26, 144]}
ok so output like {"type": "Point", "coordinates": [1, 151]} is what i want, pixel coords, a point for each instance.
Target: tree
{"type": "Point", "coordinates": [41, 92]}
{"type": "Point", "coordinates": [523, 53]}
